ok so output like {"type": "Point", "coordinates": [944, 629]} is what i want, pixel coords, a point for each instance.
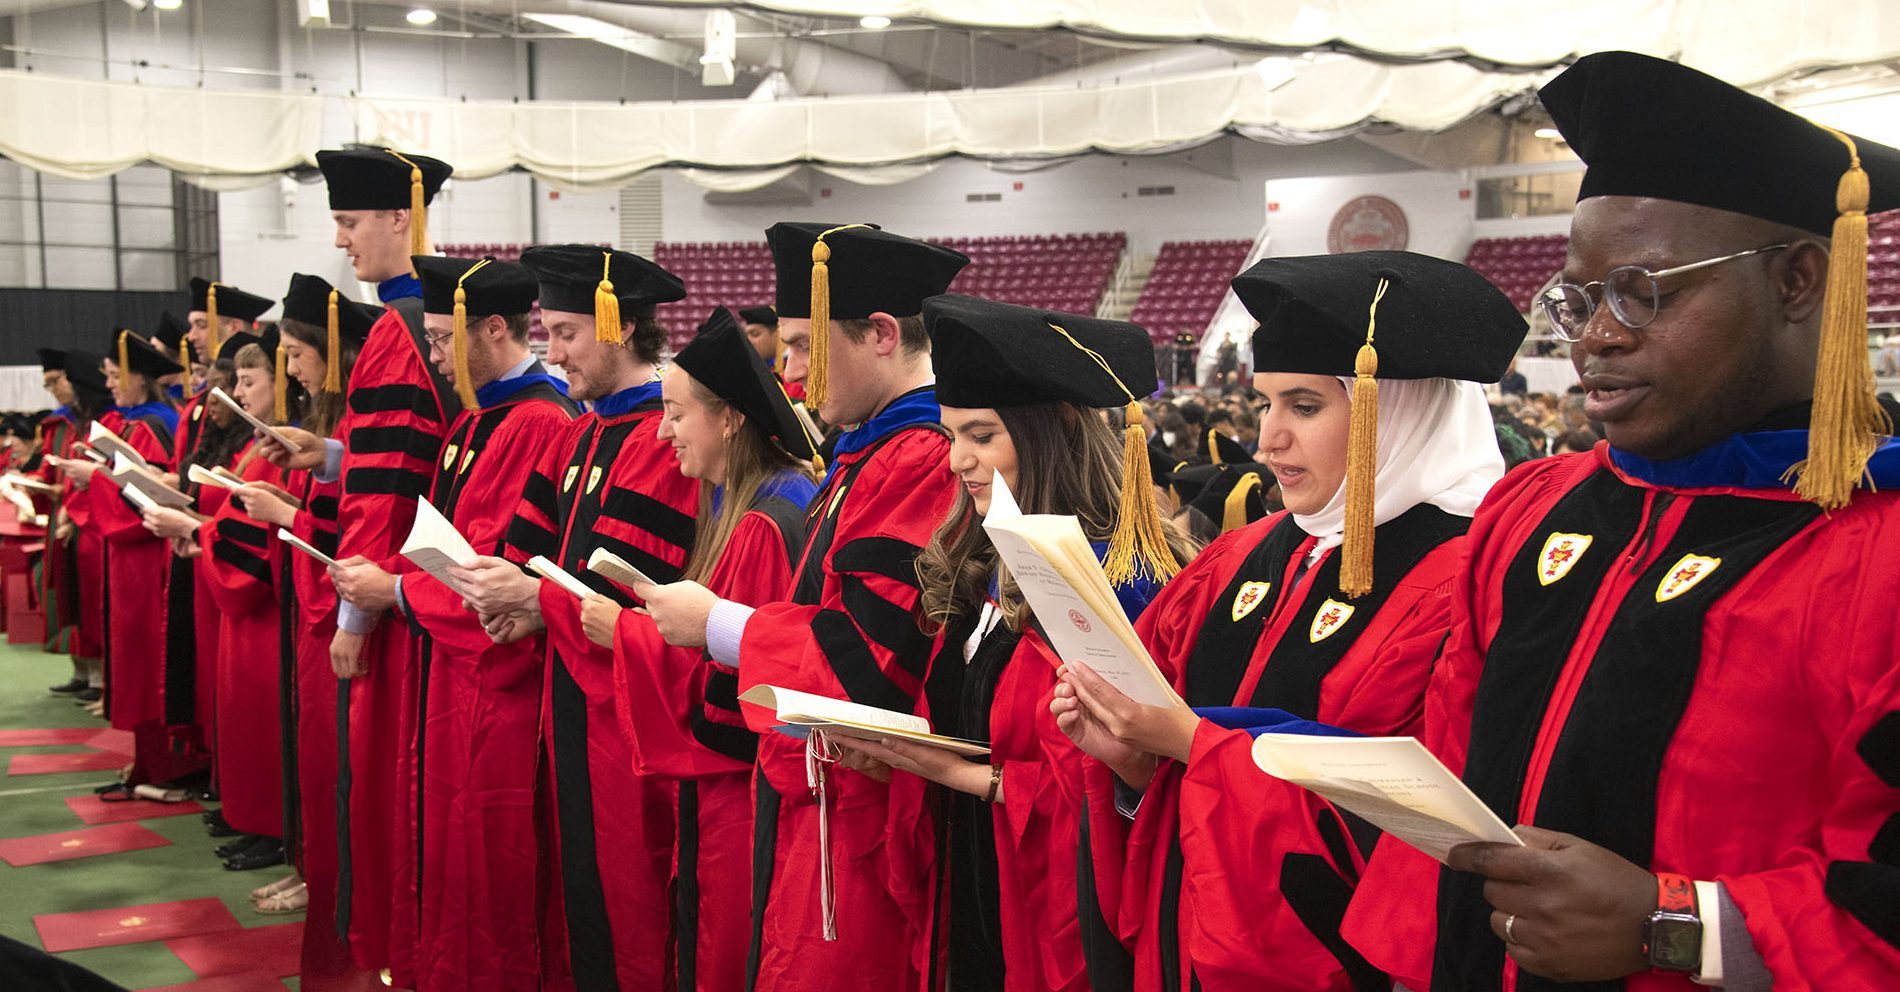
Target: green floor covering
{"type": "Point", "coordinates": [34, 804]}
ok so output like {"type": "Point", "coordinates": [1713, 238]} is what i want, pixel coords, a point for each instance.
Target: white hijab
{"type": "Point", "coordinates": [1437, 445]}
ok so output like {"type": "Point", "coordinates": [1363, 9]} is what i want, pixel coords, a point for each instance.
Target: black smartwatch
{"type": "Point", "coordinates": [1672, 938]}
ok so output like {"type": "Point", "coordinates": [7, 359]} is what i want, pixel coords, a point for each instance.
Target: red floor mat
{"type": "Point", "coordinates": [255, 981]}
{"type": "Point", "coordinates": [49, 735]}
{"type": "Point", "coordinates": [93, 810]}
{"type": "Point", "coordinates": [267, 950]}
{"type": "Point", "coordinates": [78, 761]}
{"type": "Point", "coordinates": [69, 844]}
{"type": "Point", "coordinates": [133, 924]}
{"type": "Point", "coordinates": [116, 741]}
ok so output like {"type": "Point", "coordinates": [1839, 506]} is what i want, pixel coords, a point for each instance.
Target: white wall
{"type": "Point", "coordinates": [1438, 218]}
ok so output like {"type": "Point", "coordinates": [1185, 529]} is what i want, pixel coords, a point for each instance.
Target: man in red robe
{"type": "Point", "coordinates": [58, 588]}
{"type": "Point", "coordinates": [1672, 657]}
{"type": "Point", "coordinates": [847, 628]}
{"type": "Point", "coordinates": [91, 402]}
{"type": "Point", "coordinates": [481, 701]}
{"type": "Point", "coordinates": [384, 453]}
{"type": "Point", "coordinates": [610, 483]}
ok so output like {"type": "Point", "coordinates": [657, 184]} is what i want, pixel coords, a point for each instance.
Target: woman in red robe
{"type": "Point", "coordinates": [733, 429]}
{"type": "Point", "coordinates": [92, 401]}
{"type": "Point", "coordinates": [1020, 395]}
{"type": "Point", "coordinates": [1226, 878]}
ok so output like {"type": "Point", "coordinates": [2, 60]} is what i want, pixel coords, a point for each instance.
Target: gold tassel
{"type": "Point", "coordinates": [184, 356]}
{"type": "Point", "coordinates": [333, 340]}
{"type": "Point", "coordinates": [1213, 449]}
{"type": "Point", "coordinates": [125, 356]}
{"type": "Point", "coordinates": [459, 327]}
{"type": "Point", "coordinates": [1842, 434]}
{"type": "Point", "coordinates": [1362, 462]}
{"type": "Point", "coordinates": [282, 382]}
{"type": "Point", "coordinates": [606, 304]}
{"type": "Point", "coordinates": [211, 323]}
{"type": "Point", "coordinates": [1139, 544]}
{"type": "Point", "coordinates": [418, 207]}
{"type": "Point", "coordinates": [817, 375]}
{"type": "Point", "coordinates": [1234, 511]}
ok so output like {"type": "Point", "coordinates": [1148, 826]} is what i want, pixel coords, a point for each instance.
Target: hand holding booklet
{"type": "Point", "coordinates": [284, 535]}
{"type": "Point", "coordinates": [1059, 575]}
{"type": "Point", "coordinates": [1393, 783]}
{"type": "Point", "coordinates": [799, 713]}
{"type": "Point", "coordinates": [144, 488]}
{"type": "Point", "coordinates": [107, 443]}
{"type": "Point", "coordinates": [434, 544]}
{"type": "Point", "coordinates": [542, 566]}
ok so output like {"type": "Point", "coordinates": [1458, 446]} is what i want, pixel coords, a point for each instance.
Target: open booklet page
{"type": "Point", "coordinates": [611, 566]}
{"type": "Point", "coordinates": [134, 479]}
{"type": "Point", "coordinates": [434, 544]}
{"type": "Point", "coordinates": [540, 565]}
{"type": "Point", "coordinates": [1393, 783]}
{"type": "Point", "coordinates": [803, 712]}
{"type": "Point", "coordinates": [108, 443]}
{"type": "Point", "coordinates": [300, 544]}
{"type": "Point", "coordinates": [225, 398]}
{"type": "Point", "coordinates": [1058, 574]}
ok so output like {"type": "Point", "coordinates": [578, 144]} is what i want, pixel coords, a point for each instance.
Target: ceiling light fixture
{"type": "Point", "coordinates": [876, 22]}
{"type": "Point", "coordinates": [168, 4]}
{"type": "Point", "coordinates": [421, 17]}
{"type": "Point", "coordinates": [1547, 133]}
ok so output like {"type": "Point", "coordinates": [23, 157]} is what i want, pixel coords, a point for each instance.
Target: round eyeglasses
{"type": "Point", "coordinates": [1631, 292]}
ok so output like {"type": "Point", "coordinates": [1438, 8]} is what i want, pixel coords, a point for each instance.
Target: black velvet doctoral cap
{"type": "Point", "coordinates": [85, 369]}
{"type": "Point", "coordinates": [1649, 127]}
{"type": "Point", "coordinates": [308, 301]}
{"type": "Point", "coordinates": [377, 178]}
{"type": "Point", "coordinates": [1242, 482]}
{"type": "Point", "coordinates": [759, 315]}
{"type": "Point", "coordinates": [722, 360]}
{"type": "Point", "coordinates": [1437, 319]}
{"type": "Point", "coordinates": [495, 288]}
{"type": "Point", "coordinates": [172, 329]}
{"type": "Point", "coordinates": [232, 301]}
{"type": "Point", "coordinates": [143, 356]}
{"type": "Point", "coordinates": [569, 274]}
{"type": "Point", "coordinates": [989, 354]}
{"type": "Point", "coordinates": [870, 270]}
{"type": "Point", "coordinates": [229, 347]}
{"type": "Point", "coordinates": [51, 359]}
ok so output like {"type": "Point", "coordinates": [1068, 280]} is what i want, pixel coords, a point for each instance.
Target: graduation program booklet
{"type": "Point", "coordinates": [1393, 783]}
{"type": "Point", "coordinates": [140, 479]}
{"type": "Point", "coordinates": [225, 398]}
{"type": "Point", "coordinates": [542, 566]}
{"type": "Point", "coordinates": [31, 485]}
{"type": "Point", "coordinates": [284, 535]}
{"type": "Point", "coordinates": [1058, 574]}
{"type": "Point", "coordinates": [802, 712]}
{"type": "Point", "coordinates": [434, 544]}
{"type": "Point", "coordinates": [608, 565]}
{"type": "Point", "coordinates": [107, 443]}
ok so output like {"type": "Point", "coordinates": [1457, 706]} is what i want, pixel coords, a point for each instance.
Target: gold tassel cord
{"type": "Point", "coordinates": [606, 304]}
{"type": "Point", "coordinates": [464, 389]}
{"type": "Point", "coordinates": [818, 373]}
{"type": "Point", "coordinates": [1362, 462]}
{"type": "Point", "coordinates": [1847, 420]}
{"type": "Point", "coordinates": [211, 323]}
{"type": "Point", "coordinates": [333, 341]}
{"type": "Point", "coordinates": [1139, 544]}
{"type": "Point", "coordinates": [125, 355]}
{"type": "Point", "coordinates": [1213, 448]}
{"type": "Point", "coordinates": [1234, 511]}
{"type": "Point", "coordinates": [418, 207]}
{"type": "Point", "coordinates": [282, 382]}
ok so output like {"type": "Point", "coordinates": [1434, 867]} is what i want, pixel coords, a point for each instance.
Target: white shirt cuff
{"type": "Point", "coordinates": [352, 620]}
{"type": "Point", "coordinates": [725, 629]}
{"type": "Point", "coordinates": [332, 467]}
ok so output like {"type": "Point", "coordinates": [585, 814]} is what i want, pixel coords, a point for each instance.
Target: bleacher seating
{"type": "Point", "coordinates": [1187, 284]}
{"type": "Point", "coordinates": [504, 253]}
{"type": "Point", "coordinates": [1518, 267]}
{"type": "Point", "coordinates": [1883, 269]}
{"type": "Point", "coordinates": [726, 274]}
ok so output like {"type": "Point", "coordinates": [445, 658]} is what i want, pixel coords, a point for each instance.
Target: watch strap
{"type": "Point", "coordinates": [1675, 894]}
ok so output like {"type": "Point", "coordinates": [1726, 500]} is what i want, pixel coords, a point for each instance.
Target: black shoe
{"type": "Point", "coordinates": [263, 855]}
{"type": "Point", "coordinates": [244, 843]}
{"type": "Point", "coordinates": [67, 687]}
{"type": "Point", "coordinates": [90, 694]}
{"type": "Point", "coordinates": [220, 828]}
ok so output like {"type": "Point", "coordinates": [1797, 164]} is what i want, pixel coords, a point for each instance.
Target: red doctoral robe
{"type": "Point", "coordinates": [240, 564]}
{"type": "Point", "coordinates": [1229, 879]}
{"type": "Point", "coordinates": [89, 552]}
{"type": "Point", "coordinates": [480, 739]}
{"type": "Point", "coordinates": [59, 579]}
{"type": "Point", "coordinates": [192, 624]}
{"type": "Point", "coordinates": [1699, 678]}
{"type": "Point", "coordinates": [848, 630]}
{"type": "Point", "coordinates": [611, 483]}
{"type": "Point", "coordinates": [680, 712]}
{"type": "Point", "coordinates": [399, 412]}
{"type": "Point", "coordinates": [134, 603]}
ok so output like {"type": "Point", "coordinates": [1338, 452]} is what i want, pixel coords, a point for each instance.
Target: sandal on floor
{"type": "Point", "coordinates": [295, 899]}
{"type": "Point", "coordinates": [281, 885]}
{"type": "Point", "coordinates": [117, 792]}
